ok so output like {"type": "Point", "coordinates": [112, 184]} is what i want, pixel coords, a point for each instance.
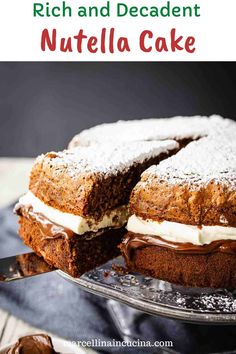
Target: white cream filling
{"type": "Point", "coordinates": [78, 224]}
{"type": "Point", "coordinates": [176, 232]}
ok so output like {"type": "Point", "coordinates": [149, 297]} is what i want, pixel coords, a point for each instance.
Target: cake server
{"type": "Point", "coordinates": [22, 266]}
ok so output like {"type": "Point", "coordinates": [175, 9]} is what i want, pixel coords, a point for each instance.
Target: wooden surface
{"type": "Point", "coordinates": [14, 173]}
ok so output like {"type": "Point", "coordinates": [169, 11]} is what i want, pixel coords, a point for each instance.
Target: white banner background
{"type": "Point", "coordinates": [215, 30]}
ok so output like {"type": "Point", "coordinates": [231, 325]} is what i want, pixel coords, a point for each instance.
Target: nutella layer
{"type": "Point", "coordinates": [133, 242]}
{"type": "Point", "coordinates": [178, 237]}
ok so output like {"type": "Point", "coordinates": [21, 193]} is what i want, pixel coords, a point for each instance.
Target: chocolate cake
{"type": "Point", "coordinates": [76, 208]}
{"type": "Point", "coordinates": [183, 215]}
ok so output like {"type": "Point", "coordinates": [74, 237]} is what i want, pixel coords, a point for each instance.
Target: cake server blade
{"type": "Point", "coordinates": [22, 266]}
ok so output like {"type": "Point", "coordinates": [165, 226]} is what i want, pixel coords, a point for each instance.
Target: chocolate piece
{"type": "Point", "coordinates": [35, 344]}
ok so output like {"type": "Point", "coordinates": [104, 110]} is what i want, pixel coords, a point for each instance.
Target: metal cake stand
{"type": "Point", "coordinates": [156, 297]}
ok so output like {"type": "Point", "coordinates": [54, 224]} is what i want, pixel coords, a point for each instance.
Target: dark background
{"type": "Point", "coordinates": [42, 105]}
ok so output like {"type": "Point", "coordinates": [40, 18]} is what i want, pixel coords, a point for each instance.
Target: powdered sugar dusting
{"type": "Point", "coordinates": [149, 129]}
{"type": "Point", "coordinates": [108, 158]}
{"type": "Point", "coordinates": [212, 158]}
{"type": "Point", "coordinates": [216, 302]}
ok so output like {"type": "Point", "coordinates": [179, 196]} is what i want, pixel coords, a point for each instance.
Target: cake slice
{"type": "Point", "coordinates": [77, 205]}
{"type": "Point", "coordinates": [182, 227]}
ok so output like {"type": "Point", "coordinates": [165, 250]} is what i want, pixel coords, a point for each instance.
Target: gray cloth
{"type": "Point", "coordinates": [55, 305]}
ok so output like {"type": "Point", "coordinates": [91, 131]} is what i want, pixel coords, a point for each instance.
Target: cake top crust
{"type": "Point", "coordinates": [91, 181]}
{"type": "Point", "coordinates": [176, 128]}
{"type": "Point", "coordinates": [108, 159]}
{"type": "Point", "coordinates": [210, 159]}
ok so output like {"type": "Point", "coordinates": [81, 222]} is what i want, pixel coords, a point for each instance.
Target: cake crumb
{"type": "Point", "coordinates": [120, 269]}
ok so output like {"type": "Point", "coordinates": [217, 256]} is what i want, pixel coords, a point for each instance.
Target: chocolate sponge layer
{"type": "Point", "coordinates": [213, 270]}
